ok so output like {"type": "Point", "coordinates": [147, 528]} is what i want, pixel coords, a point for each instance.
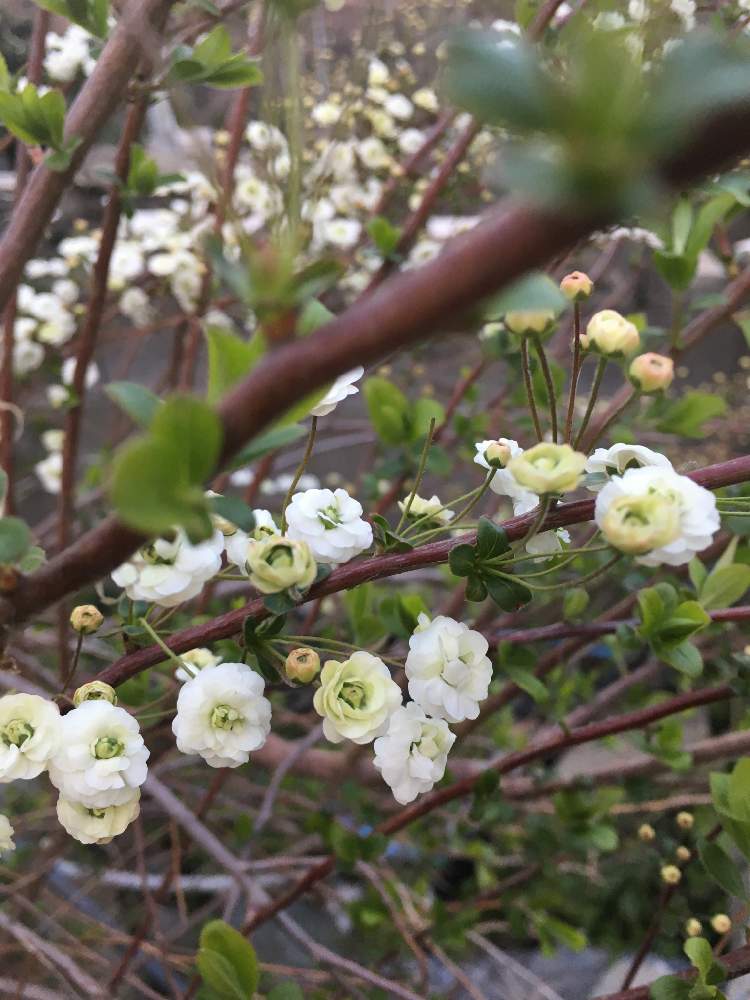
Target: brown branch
{"type": "Point", "coordinates": [97, 100]}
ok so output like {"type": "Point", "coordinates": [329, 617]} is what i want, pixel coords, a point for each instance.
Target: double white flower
{"type": "Point", "coordinates": [657, 515]}
{"type": "Point", "coordinates": [355, 698]}
{"type": "Point", "coordinates": [102, 758]}
{"type": "Point", "coordinates": [621, 457]}
{"type": "Point", "coordinates": [30, 734]}
{"type": "Point", "coordinates": [331, 523]}
{"type": "Point", "coordinates": [448, 668]}
{"type": "Point", "coordinates": [96, 825]}
{"type": "Point", "coordinates": [239, 543]}
{"type": "Point", "coordinates": [413, 753]}
{"type": "Point", "coordinates": [222, 715]}
{"type": "Point", "coordinates": [170, 571]}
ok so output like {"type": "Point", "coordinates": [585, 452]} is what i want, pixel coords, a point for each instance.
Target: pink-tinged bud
{"type": "Point", "coordinates": [576, 286]}
{"type": "Point", "coordinates": [651, 372]}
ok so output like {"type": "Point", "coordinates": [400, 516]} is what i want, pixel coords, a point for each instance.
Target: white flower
{"type": "Point", "coordinates": [135, 304]}
{"type": "Point", "coordinates": [6, 835]}
{"type": "Point", "coordinates": [49, 471]}
{"type": "Point", "coordinates": [340, 232]}
{"type": "Point", "coordinates": [544, 542]}
{"type": "Point", "coordinates": [682, 515]}
{"type": "Point", "coordinates": [341, 388]}
{"type": "Point", "coordinates": [431, 510]}
{"type": "Point", "coordinates": [448, 670]}
{"type": "Point", "coordinates": [29, 735]}
{"type": "Point", "coordinates": [68, 371]}
{"type": "Point", "coordinates": [330, 522]}
{"type": "Point", "coordinates": [196, 660]}
{"type": "Point", "coordinates": [101, 760]}
{"type": "Point", "coordinates": [503, 483]}
{"type": "Point", "coordinates": [413, 753]}
{"type": "Point", "coordinates": [355, 698]}
{"type": "Point", "coordinates": [27, 357]}
{"type": "Point", "coordinates": [222, 715]}
{"type": "Point", "coordinates": [399, 106]}
{"type": "Point", "coordinates": [238, 545]}
{"type": "Point", "coordinates": [377, 73]}
{"type": "Point", "coordinates": [59, 330]}
{"type": "Point", "coordinates": [169, 572]}
{"type": "Point", "coordinates": [426, 99]}
{"type": "Point", "coordinates": [373, 154]}
{"type": "Point", "coordinates": [97, 824]}
{"type": "Point", "coordinates": [53, 439]}
{"type": "Point", "coordinates": [410, 140]}
{"type": "Point", "coordinates": [326, 113]}
{"type": "Point", "coordinates": [618, 458]}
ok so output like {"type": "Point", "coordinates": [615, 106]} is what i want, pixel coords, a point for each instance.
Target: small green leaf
{"type": "Point", "coordinates": [272, 440]}
{"type": "Point", "coordinates": [234, 510]}
{"type": "Point", "coordinates": [535, 291]}
{"type": "Point", "coordinates": [388, 408]}
{"type": "Point", "coordinates": [230, 359]}
{"type": "Point", "coordinates": [670, 988]}
{"type": "Point", "coordinates": [724, 586]}
{"type": "Point", "coordinates": [15, 539]}
{"type": "Point", "coordinates": [492, 540]}
{"type": "Point", "coordinates": [220, 938]}
{"type": "Point", "coordinates": [137, 401]}
{"type": "Point", "coordinates": [286, 991]}
{"type": "Point", "coordinates": [526, 681]}
{"type": "Point", "coordinates": [195, 430]}
{"type": "Point", "coordinates": [722, 869]}
{"type": "Point", "coordinates": [461, 560]}
{"type": "Point", "coordinates": [384, 235]}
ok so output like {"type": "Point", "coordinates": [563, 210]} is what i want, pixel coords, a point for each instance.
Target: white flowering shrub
{"type": "Point", "coordinates": [375, 482]}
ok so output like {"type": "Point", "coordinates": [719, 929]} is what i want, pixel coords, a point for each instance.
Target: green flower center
{"type": "Point", "coordinates": [107, 747]}
{"type": "Point", "coordinates": [354, 693]}
{"type": "Point", "coordinates": [330, 517]}
{"type": "Point", "coordinates": [16, 732]}
{"type": "Point", "coordinates": [97, 813]}
{"type": "Point", "coordinates": [427, 746]}
{"type": "Point", "coordinates": [280, 557]}
{"type": "Point", "coordinates": [225, 717]}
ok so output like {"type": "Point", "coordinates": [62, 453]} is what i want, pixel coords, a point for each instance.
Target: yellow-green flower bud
{"type": "Point", "coordinates": [86, 619]}
{"type": "Point", "coordinates": [523, 322]}
{"type": "Point", "coordinates": [721, 923]}
{"type": "Point", "coordinates": [497, 455]}
{"type": "Point", "coordinates": [639, 524]}
{"type": "Point", "coordinates": [302, 664]}
{"type": "Point", "coordinates": [611, 334]}
{"type": "Point", "coordinates": [683, 853]}
{"type": "Point", "coordinates": [548, 468]}
{"type": "Point", "coordinates": [576, 286]}
{"type": "Point", "coordinates": [685, 820]}
{"type": "Point", "coordinates": [671, 874]}
{"type": "Point", "coordinates": [651, 372]}
{"type": "Point", "coordinates": [95, 691]}
{"type": "Point", "coordinates": [279, 563]}
{"type": "Point", "coordinates": [693, 927]}
{"type": "Point", "coordinates": [646, 833]}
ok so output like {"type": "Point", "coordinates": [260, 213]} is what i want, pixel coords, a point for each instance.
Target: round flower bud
{"type": "Point", "coordinates": [693, 927]}
{"type": "Point", "coordinates": [548, 468]}
{"type": "Point", "coordinates": [685, 820]}
{"type": "Point", "coordinates": [651, 372]}
{"type": "Point", "coordinates": [497, 455]}
{"type": "Point", "coordinates": [576, 286]}
{"type": "Point", "coordinates": [279, 563]}
{"type": "Point", "coordinates": [86, 619]}
{"type": "Point", "coordinates": [302, 664]}
{"type": "Point", "coordinates": [95, 691]}
{"type": "Point", "coordinates": [523, 322]}
{"type": "Point", "coordinates": [721, 923]}
{"type": "Point", "coordinates": [639, 524]}
{"type": "Point", "coordinates": [683, 853]}
{"type": "Point", "coordinates": [611, 334]}
{"type": "Point", "coordinates": [671, 874]}
{"type": "Point", "coordinates": [646, 833]}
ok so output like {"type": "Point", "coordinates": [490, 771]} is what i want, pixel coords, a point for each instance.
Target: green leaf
{"type": "Point", "coordinates": [195, 429]}
{"type": "Point", "coordinates": [698, 950]}
{"type": "Point", "coordinates": [222, 939]}
{"type": "Point", "coordinates": [312, 316]}
{"type": "Point", "coordinates": [724, 586]}
{"type": "Point", "coordinates": [684, 657]}
{"type": "Point", "coordinates": [575, 602]}
{"type": "Point", "coordinates": [286, 991]}
{"type": "Point", "coordinates": [502, 85]}
{"type": "Point", "coordinates": [738, 790]}
{"type": "Point", "coordinates": [388, 408]}
{"type": "Point", "coordinates": [526, 681]}
{"type": "Point", "coordinates": [492, 540]}
{"type": "Point", "coordinates": [722, 869]}
{"type": "Point", "coordinates": [535, 291]}
{"type": "Point", "coordinates": [670, 988]}
{"type": "Point", "coordinates": [137, 401]}
{"type": "Point", "coordinates": [15, 539]}
{"type": "Point", "coordinates": [4, 74]}
{"type": "Point", "coordinates": [510, 595]}
{"type": "Point", "coordinates": [698, 572]}
{"type": "Point", "coordinates": [423, 412]}
{"type": "Point", "coordinates": [234, 510]}
{"type": "Point", "coordinates": [3, 487]}
{"type": "Point", "coordinates": [384, 235]}
{"type": "Point", "coordinates": [219, 976]}
{"type": "Point", "coordinates": [686, 416]}
{"type": "Point", "coordinates": [273, 440]}
{"type": "Point", "coordinates": [230, 359]}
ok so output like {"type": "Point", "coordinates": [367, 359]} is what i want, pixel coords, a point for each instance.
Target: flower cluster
{"type": "Point", "coordinates": [95, 757]}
